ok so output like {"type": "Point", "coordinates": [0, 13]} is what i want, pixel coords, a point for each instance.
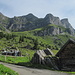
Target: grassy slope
{"type": "Point", "coordinates": [14, 59]}
{"type": "Point", "coordinates": [44, 41]}
{"type": "Point", "coordinates": [53, 42]}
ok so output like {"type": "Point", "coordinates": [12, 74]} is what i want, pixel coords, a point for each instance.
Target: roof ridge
{"type": "Point", "coordinates": [65, 45]}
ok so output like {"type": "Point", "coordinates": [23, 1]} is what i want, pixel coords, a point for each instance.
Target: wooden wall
{"type": "Point", "coordinates": [67, 56]}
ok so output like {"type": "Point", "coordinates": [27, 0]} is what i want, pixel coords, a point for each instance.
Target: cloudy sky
{"type": "Point", "coordinates": [60, 8]}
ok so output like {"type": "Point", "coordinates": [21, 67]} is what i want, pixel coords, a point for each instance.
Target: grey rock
{"type": "Point", "coordinates": [49, 31]}
{"type": "Point", "coordinates": [66, 24]}
{"type": "Point", "coordinates": [50, 19]}
{"type": "Point", "coordinates": [42, 57]}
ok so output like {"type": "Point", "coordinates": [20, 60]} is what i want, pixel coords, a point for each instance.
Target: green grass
{"type": "Point", "coordinates": [6, 71]}
{"type": "Point", "coordinates": [54, 51]}
{"type": "Point", "coordinates": [73, 73]}
{"type": "Point", "coordinates": [14, 59]}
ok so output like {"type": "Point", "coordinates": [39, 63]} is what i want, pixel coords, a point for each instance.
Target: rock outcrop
{"type": "Point", "coordinates": [50, 19]}
{"type": "Point", "coordinates": [49, 30]}
{"type": "Point", "coordinates": [44, 57]}
{"type": "Point", "coordinates": [67, 25]}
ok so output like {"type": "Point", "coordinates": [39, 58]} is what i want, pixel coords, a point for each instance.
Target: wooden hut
{"type": "Point", "coordinates": [66, 56]}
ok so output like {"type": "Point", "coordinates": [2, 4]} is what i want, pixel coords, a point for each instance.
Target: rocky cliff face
{"type": "Point", "coordinates": [67, 25]}
{"type": "Point", "coordinates": [30, 22]}
{"type": "Point", "coordinates": [4, 22]}
{"type": "Point", "coordinates": [49, 30]}
{"type": "Point", "coordinates": [50, 19]}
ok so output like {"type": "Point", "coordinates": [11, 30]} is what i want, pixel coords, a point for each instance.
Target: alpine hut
{"type": "Point", "coordinates": [66, 56]}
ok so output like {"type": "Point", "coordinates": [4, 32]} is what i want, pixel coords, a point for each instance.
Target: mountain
{"type": "Point", "coordinates": [67, 25]}
{"type": "Point", "coordinates": [31, 22]}
{"type": "Point", "coordinates": [22, 23]}
{"type": "Point", "coordinates": [49, 32]}
{"type": "Point", "coordinates": [4, 22]}
{"type": "Point", "coordinates": [50, 19]}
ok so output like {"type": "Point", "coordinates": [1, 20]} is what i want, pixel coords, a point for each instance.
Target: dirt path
{"type": "Point", "coordinates": [29, 71]}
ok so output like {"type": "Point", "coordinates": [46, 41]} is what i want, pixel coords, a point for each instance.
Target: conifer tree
{"type": "Point", "coordinates": [21, 39]}
{"type": "Point", "coordinates": [35, 44]}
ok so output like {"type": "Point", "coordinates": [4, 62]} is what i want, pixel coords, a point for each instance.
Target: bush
{"type": "Point", "coordinates": [35, 44]}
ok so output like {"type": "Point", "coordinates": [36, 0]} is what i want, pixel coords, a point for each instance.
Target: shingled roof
{"type": "Point", "coordinates": [63, 47]}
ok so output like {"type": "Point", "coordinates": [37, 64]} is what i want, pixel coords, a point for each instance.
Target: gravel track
{"type": "Point", "coordinates": [30, 71]}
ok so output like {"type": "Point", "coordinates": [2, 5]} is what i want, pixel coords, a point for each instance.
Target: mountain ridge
{"type": "Point", "coordinates": [31, 22]}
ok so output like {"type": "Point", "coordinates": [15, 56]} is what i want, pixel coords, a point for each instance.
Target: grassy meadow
{"type": "Point", "coordinates": [28, 44]}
